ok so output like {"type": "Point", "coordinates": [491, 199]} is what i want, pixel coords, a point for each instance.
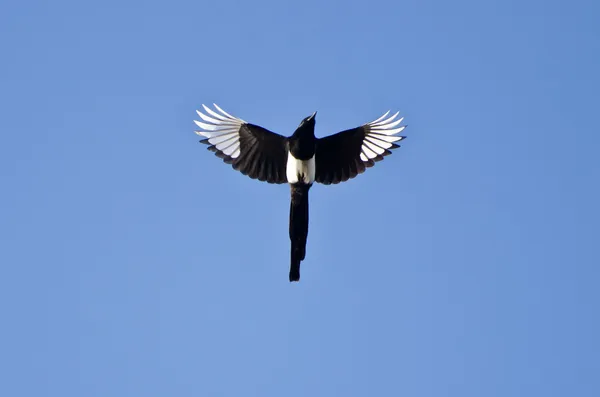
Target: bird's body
{"type": "Point", "coordinates": [299, 160]}
{"type": "Point", "coordinates": [300, 173]}
{"type": "Point", "coordinates": [301, 148]}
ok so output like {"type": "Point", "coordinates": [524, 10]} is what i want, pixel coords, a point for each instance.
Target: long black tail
{"type": "Point", "coordinates": [298, 228]}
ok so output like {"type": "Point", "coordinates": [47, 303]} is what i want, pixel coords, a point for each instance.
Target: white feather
{"type": "Point", "coordinates": [388, 125]}
{"type": "Point", "coordinates": [296, 169]}
{"type": "Point", "coordinates": [222, 129]}
{"type": "Point", "coordinates": [381, 118]}
{"type": "Point", "coordinates": [380, 136]}
{"type": "Point", "coordinates": [392, 132]}
{"type": "Point", "coordinates": [213, 113]}
{"type": "Point", "coordinates": [373, 147]}
{"type": "Point", "coordinates": [368, 152]}
{"type": "Point", "coordinates": [231, 149]}
{"type": "Point", "coordinates": [378, 142]}
{"type": "Point", "coordinates": [221, 138]}
{"type": "Point", "coordinates": [374, 123]}
{"type": "Point", "coordinates": [385, 137]}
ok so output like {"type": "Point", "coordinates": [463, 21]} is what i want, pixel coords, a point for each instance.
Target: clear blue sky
{"type": "Point", "coordinates": [135, 263]}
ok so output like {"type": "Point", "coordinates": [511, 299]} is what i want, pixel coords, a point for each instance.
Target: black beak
{"type": "Point", "coordinates": [312, 116]}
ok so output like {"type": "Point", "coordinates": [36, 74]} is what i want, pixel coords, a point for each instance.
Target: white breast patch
{"type": "Point", "coordinates": [300, 170]}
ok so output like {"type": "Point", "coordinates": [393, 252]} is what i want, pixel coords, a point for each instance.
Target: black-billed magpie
{"type": "Point", "coordinates": [298, 160]}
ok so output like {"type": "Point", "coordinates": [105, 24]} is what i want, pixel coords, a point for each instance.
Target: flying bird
{"type": "Point", "coordinates": [299, 160]}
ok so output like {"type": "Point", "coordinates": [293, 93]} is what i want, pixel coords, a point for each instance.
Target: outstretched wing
{"type": "Point", "coordinates": [344, 155]}
{"type": "Point", "coordinates": [250, 149]}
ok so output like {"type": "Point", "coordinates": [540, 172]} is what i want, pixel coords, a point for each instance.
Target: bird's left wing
{"type": "Point", "coordinates": [344, 155]}
{"type": "Point", "coordinates": [250, 149]}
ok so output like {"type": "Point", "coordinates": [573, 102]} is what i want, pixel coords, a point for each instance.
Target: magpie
{"type": "Point", "coordinates": [299, 160]}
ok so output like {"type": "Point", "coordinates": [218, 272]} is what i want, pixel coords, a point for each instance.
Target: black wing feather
{"type": "Point", "coordinates": [345, 155]}
{"type": "Point", "coordinates": [250, 149]}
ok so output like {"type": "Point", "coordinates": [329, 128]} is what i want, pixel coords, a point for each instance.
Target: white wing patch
{"type": "Point", "coordinates": [221, 129]}
{"type": "Point", "coordinates": [381, 136]}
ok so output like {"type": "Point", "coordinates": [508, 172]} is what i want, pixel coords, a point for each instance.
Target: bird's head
{"type": "Point", "coordinates": [310, 119]}
{"type": "Point", "coordinates": [308, 123]}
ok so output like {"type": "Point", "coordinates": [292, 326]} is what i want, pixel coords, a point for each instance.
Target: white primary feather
{"type": "Point", "coordinates": [221, 129]}
{"type": "Point", "coordinates": [381, 135]}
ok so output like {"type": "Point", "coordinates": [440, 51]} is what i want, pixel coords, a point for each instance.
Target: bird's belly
{"type": "Point", "coordinates": [300, 170]}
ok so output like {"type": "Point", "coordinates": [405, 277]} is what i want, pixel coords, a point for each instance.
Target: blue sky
{"type": "Point", "coordinates": [135, 263]}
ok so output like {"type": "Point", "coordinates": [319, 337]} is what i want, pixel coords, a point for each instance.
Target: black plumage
{"type": "Point", "coordinates": [299, 160]}
{"type": "Point", "coordinates": [298, 227]}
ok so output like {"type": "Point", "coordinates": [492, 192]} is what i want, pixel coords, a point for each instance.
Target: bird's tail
{"type": "Point", "coordinates": [298, 227]}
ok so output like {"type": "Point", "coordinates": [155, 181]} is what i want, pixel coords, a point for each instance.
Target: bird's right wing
{"type": "Point", "coordinates": [250, 149]}
{"type": "Point", "coordinates": [344, 155]}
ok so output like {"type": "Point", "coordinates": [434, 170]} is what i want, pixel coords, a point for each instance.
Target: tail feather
{"type": "Point", "coordinates": [298, 228]}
